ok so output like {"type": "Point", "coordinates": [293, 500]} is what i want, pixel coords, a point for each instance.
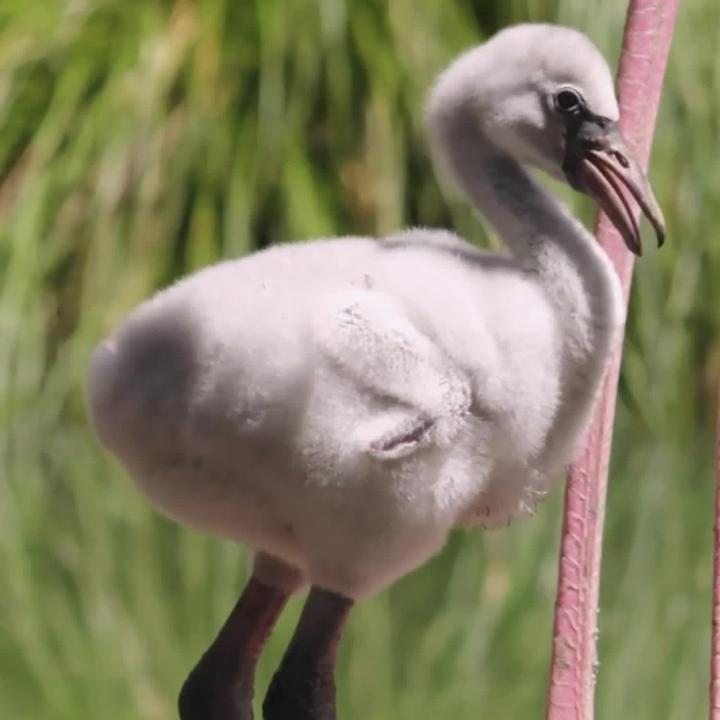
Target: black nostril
{"type": "Point", "coordinates": [622, 160]}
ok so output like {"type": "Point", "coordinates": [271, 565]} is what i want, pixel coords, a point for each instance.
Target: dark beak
{"type": "Point", "coordinates": [598, 163]}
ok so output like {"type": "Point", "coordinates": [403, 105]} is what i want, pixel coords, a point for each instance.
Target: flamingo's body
{"type": "Point", "coordinates": [253, 399]}
{"type": "Point", "coordinates": [340, 405]}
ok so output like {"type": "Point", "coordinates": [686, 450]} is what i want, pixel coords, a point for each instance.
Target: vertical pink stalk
{"type": "Point", "coordinates": [715, 639]}
{"type": "Point", "coordinates": [646, 45]}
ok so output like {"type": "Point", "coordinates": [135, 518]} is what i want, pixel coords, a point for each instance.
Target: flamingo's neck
{"type": "Point", "coordinates": [552, 246]}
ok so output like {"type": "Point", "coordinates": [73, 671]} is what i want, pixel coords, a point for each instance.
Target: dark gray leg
{"type": "Point", "coordinates": [220, 686]}
{"type": "Point", "coordinates": [304, 686]}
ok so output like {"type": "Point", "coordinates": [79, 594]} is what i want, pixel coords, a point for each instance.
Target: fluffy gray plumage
{"type": "Point", "coordinates": [340, 405]}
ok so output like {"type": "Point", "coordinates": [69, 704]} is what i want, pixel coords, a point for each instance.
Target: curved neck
{"type": "Point", "coordinates": [553, 247]}
{"type": "Point", "coordinates": [525, 215]}
{"type": "Point", "coordinates": [541, 234]}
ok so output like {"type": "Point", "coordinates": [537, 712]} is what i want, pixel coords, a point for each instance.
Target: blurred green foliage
{"type": "Point", "coordinates": [141, 140]}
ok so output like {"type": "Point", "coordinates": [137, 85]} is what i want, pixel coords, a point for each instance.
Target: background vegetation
{"type": "Point", "coordinates": [141, 140]}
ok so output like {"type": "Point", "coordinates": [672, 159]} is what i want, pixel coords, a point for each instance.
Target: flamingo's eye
{"type": "Point", "coordinates": [567, 101]}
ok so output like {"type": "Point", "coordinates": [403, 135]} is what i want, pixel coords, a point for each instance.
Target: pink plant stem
{"type": "Point", "coordinates": [646, 45]}
{"type": "Point", "coordinates": [715, 640]}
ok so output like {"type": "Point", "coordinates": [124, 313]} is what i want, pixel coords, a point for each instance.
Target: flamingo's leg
{"type": "Point", "coordinates": [304, 686]}
{"type": "Point", "coordinates": [221, 685]}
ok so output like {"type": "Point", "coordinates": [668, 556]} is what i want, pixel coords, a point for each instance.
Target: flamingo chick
{"type": "Point", "coordinates": [340, 405]}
